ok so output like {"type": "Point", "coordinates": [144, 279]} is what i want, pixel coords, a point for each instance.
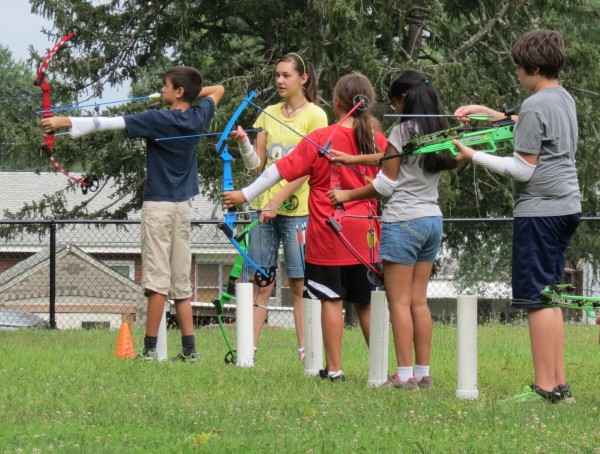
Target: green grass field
{"type": "Point", "coordinates": [64, 391]}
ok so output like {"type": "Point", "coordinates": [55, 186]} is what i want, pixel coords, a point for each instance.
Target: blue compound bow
{"type": "Point", "coordinates": [263, 277]}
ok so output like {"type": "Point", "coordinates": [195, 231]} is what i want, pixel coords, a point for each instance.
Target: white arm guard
{"type": "Point", "coordinates": [383, 185]}
{"type": "Point", "coordinates": [80, 126]}
{"type": "Point", "coordinates": [265, 181]}
{"type": "Point", "coordinates": [251, 159]}
{"type": "Point", "coordinates": [511, 166]}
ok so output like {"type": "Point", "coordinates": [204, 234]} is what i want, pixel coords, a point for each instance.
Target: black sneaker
{"type": "Point", "coordinates": [191, 358]}
{"type": "Point", "coordinates": [566, 395]}
{"type": "Point", "coordinates": [337, 377]}
{"type": "Point", "coordinates": [533, 393]}
{"type": "Point", "coordinates": [148, 356]}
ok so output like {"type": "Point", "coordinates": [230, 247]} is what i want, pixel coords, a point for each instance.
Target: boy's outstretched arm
{"type": "Point", "coordinates": [519, 166]}
{"type": "Point", "coordinates": [81, 126]}
{"type": "Point", "coordinates": [51, 124]}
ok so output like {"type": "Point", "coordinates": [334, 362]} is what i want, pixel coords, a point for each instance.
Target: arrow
{"type": "Point", "coordinates": [208, 134]}
{"type": "Point", "coordinates": [62, 109]}
{"type": "Point", "coordinates": [476, 117]}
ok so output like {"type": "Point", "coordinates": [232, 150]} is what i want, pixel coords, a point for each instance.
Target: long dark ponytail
{"type": "Point", "coordinates": [419, 96]}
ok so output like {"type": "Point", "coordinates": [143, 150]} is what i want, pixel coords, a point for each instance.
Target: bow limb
{"type": "Point", "coordinates": [89, 182]}
{"type": "Point", "coordinates": [263, 277]}
{"type": "Point", "coordinates": [229, 293]}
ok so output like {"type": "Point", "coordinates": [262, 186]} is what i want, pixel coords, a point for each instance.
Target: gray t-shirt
{"type": "Point", "coordinates": [416, 195]}
{"type": "Point", "coordinates": [547, 127]}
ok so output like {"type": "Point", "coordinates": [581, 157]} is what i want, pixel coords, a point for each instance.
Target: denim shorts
{"type": "Point", "coordinates": [409, 242]}
{"type": "Point", "coordinates": [265, 239]}
{"type": "Point", "coordinates": [539, 256]}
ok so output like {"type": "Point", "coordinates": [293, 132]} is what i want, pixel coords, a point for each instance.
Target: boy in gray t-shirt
{"type": "Point", "coordinates": [547, 200]}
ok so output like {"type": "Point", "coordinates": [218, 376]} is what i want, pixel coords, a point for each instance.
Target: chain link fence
{"type": "Point", "coordinates": [86, 274]}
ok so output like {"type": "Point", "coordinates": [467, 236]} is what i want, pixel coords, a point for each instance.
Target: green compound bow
{"type": "Point", "coordinates": [236, 272]}
{"type": "Point", "coordinates": [560, 296]}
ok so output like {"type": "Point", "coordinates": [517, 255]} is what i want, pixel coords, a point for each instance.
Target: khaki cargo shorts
{"type": "Point", "coordinates": [166, 253]}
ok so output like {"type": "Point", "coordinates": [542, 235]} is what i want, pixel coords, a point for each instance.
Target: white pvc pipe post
{"type": "Point", "coordinates": [161, 343]}
{"type": "Point", "coordinates": [379, 339]}
{"type": "Point", "coordinates": [244, 323]}
{"type": "Point", "coordinates": [313, 337]}
{"type": "Point", "coordinates": [466, 327]}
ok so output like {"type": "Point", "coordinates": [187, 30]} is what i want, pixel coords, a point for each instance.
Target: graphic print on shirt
{"type": "Point", "coordinates": [277, 151]}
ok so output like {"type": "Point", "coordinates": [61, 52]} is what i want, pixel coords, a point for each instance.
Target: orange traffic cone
{"type": "Point", "coordinates": [125, 344]}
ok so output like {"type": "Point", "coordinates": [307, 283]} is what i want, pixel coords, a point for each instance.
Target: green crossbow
{"type": "Point", "coordinates": [560, 296]}
{"type": "Point", "coordinates": [497, 138]}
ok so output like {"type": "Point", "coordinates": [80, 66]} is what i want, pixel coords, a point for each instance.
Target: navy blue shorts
{"type": "Point", "coordinates": [348, 283]}
{"type": "Point", "coordinates": [539, 256]}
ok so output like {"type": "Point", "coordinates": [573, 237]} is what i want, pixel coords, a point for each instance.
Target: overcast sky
{"type": "Point", "coordinates": [20, 28]}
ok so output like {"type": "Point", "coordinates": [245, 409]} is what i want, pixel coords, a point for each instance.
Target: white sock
{"type": "Point", "coordinates": [405, 373]}
{"type": "Point", "coordinates": [300, 350]}
{"type": "Point", "coordinates": [336, 374]}
{"type": "Point", "coordinates": [421, 371]}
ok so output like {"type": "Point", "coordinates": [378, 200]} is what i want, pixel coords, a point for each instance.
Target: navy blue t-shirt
{"type": "Point", "coordinates": [172, 165]}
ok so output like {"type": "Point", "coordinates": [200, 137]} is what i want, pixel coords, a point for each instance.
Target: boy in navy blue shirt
{"type": "Point", "coordinates": [171, 181]}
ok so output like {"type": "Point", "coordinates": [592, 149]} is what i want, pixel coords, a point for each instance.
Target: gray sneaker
{"type": "Point", "coordinates": [193, 357]}
{"type": "Point", "coordinates": [425, 382]}
{"type": "Point", "coordinates": [395, 382]}
{"type": "Point", "coordinates": [149, 356]}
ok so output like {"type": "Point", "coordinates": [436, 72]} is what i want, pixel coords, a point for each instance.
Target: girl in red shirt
{"type": "Point", "coordinates": [333, 274]}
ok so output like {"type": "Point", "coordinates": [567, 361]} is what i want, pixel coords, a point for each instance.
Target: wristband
{"type": "Point", "coordinates": [383, 185]}
{"type": "Point", "coordinates": [249, 155]}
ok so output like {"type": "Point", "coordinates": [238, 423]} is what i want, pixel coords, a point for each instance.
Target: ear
{"type": "Point", "coordinates": [304, 79]}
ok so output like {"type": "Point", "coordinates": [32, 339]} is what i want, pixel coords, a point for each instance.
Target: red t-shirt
{"type": "Point", "coordinates": [323, 247]}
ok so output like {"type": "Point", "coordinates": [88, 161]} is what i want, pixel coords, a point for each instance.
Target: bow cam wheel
{"type": "Point", "coordinates": [364, 101]}
{"type": "Point", "coordinates": [263, 281]}
{"type": "Point", "coordinates": [90, 183]}
{"type": "Point", "coordinates": [230, 357]}
{"type": "Point", "coordinates": [374, 278]}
